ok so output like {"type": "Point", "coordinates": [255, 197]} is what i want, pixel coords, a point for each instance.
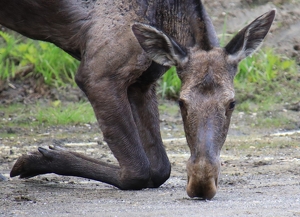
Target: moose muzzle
{"type": "Point", "coordinates": [202, 178]}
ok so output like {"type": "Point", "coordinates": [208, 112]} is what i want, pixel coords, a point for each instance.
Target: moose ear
{"type": "Point", "coordinates": [158, 46]}
{"type": "Point", "coordinates": [249, 39]}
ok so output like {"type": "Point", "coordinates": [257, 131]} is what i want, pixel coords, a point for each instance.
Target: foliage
{"type": "Point", "coordinates": [170, 84]}
{"type": "Point", "coordinates": [266, 79]}
{"type": "Point", "coordinates": [264, 67]}
{"type": "Point", "coordinates": [56, 66]}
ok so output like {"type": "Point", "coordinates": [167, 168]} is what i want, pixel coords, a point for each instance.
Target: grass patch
{"type": "Point", "coordinates": [264, 67]}
{"type": "Point", "coordinates": [170, 84]}
{"type": "Point", "coordinates": [168, 108]}
{"type": "Point", "coordinates": [273, 122]}
{"type": "Point", "coordinates": [56, 67]}
{"type": "Point", "coordinates": [68, 114]}
{"type": "Point", "coordinates": [265, 81]}
{"type": "Point", "coordinates": [261, 143]}
{"type": "Point", "coordinates": [55, 113]}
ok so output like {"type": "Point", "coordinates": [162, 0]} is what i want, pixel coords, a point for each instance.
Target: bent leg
{"type": "Point", "coordinates": [110, 102]}
{"type": "Point", "coordinates": [143, 102]}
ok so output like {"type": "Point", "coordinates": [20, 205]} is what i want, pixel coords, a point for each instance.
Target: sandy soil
{"type": "Point", "coordinates": [260, 177]}
{"type": "Point", "coordinates": [260, 169]}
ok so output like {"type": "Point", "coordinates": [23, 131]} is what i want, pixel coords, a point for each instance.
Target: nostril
{"type": "Point", "coordinates": [206, 195]}
{"type": "Point", "coordinates": [202, 179]}
{"type": "Point", "coordinates": [202, 190]}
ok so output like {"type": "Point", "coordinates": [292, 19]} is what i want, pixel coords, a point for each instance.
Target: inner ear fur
{"type": "Point", "coordinates": [159, 46]}
{"type": "Point", "coordinates": [250, 38]}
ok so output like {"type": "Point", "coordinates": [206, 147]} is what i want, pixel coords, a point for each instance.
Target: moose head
{"type": "Point", "coordinates": [207, 97]}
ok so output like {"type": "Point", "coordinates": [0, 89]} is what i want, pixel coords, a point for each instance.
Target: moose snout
{"type": "Point", "coordinates": [202, 179]}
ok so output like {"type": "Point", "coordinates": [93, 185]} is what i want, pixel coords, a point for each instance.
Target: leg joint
{"type": "Point", "coordinates": [135, 179]}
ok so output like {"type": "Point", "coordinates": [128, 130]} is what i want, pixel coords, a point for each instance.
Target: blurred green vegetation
{"type": "Point", "coordinates": [266, 78]}
{"type": "Point", "coordinates": [56, 67]}
{"type": "Point", "coordinates": [47, 114]}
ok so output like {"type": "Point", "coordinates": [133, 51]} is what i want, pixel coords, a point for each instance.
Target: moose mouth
{"type": "Point", "coordinates": [205, 190]}
{"type": "Point", "coordinates": [202, 179]}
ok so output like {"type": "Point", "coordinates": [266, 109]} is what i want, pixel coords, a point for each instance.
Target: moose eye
{"type": "Point", "coordinates": [231, 105]}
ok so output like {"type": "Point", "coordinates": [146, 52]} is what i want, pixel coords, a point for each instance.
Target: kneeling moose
{"type": "Point", "coordinates": [124, 48]}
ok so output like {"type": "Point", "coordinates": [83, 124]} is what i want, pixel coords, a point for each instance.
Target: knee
{"type": "Point", "coordinates": [161, 174]}
{"type": "Point", "coordinates": [135, 179]}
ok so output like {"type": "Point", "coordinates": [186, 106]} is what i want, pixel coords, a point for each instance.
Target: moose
{"type": "Point", "coordinates": [124, 47]}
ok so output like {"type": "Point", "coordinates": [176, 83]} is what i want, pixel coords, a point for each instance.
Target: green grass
{"type": "Point", "coordinates": [170, 84]}
{"type": "Point", "coordinates": [253, 146]}
{"type": "Point", "coordinates": [264, 67]}
{"type": "Point", "coordinates": [274, 122]}
{"type": "Point", "coordinates": [54, 113]}
{"type": "Point", "coordinates": [169, 108]}
{"type": "Point", "coordinates": [265, 80]}
{"type": "Point", "coordinates": [56, 67]}
{"type": "Point", "coordinates": [68, 114]}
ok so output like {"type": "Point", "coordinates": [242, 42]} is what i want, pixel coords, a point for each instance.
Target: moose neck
{"type": "Point", "coordinates": [184, 20]}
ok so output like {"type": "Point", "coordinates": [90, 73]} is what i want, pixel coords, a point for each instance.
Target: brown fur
{"type": "Point", "coordinates": [124, 48]}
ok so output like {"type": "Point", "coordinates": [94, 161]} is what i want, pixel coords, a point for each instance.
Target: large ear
{"type": "Point", "coordinates": [249, 39]}
{"type": "Point", "coordinates": [158, 46]}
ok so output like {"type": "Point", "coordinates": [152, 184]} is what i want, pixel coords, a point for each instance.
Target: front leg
{"type": "Point", "coordinates": [56, 160]}
{"type": "Point", "coordinates": [62, 162]}
{"type": "Point", "coordinates": [143, 102]}
{"type": "Point", "coordinates": [120, 132]}
{"type": "Point", "coordinates": [110, 103]}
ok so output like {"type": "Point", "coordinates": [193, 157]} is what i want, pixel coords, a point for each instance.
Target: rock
{"type": "Point", "coordinates": [294, 107]}
{"type": "Point", "coordinates": [2, 178]}
{"type": "Point", "coordinates": [297, 47]}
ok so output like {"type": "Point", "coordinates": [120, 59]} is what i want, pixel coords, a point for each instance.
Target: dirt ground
{"type": "Point", "coordinates": [260, 173]}
{"type": "Point", "coordinates": [260, 177]}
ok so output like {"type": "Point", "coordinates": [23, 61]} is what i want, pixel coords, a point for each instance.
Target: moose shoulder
{"type": "Point", "coordinates": [124, 48]}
